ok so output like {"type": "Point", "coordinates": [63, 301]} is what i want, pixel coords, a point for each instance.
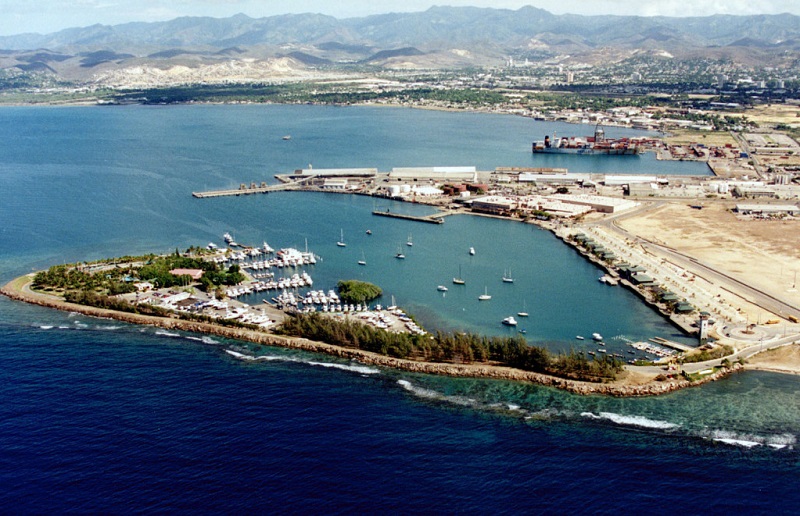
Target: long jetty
{"type": "Point", "coordinates": [244, 189]}
{"type": "Point", "coordinates": [435, 218]}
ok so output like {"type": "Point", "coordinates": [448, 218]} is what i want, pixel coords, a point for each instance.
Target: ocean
{"type": "Point", "coordinates": [100, 416]}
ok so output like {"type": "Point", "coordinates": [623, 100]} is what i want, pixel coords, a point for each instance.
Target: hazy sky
{"type": "Point", "coordinates": [43, 16]}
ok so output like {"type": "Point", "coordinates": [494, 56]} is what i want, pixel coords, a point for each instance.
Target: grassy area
{"type": "Point", "coordinates": [708, 138]}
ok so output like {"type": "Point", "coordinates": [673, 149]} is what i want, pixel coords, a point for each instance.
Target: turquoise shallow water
{"type": "Point", "coordinates": [102, 416]}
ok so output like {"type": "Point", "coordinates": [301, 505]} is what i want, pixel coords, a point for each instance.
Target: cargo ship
{"type": "Point", "coordinates": [590, 145]}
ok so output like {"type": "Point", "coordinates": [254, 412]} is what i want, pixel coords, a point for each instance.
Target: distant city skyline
{"type": "Point", "coordinates": [46, 16]}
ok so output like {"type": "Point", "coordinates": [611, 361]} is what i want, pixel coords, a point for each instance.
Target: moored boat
{"type": "Point", "coordinates": [459, 280]}
{"type": "Point", "coordinates": [510, 321]}
{"type": "Point", "coordinates": [485, 296]}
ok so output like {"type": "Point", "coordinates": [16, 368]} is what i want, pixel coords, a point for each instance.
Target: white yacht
{"type": "Point", "coordinates": [485, 296]}
{"type": "Point", "coordinates": [510, 321]}
{"type": "Point", "coordinates": [341, 242]}
{"type": "Point", "coordinates": [441, 288]}
{"type": "Point", "coordinates": [471, 251]}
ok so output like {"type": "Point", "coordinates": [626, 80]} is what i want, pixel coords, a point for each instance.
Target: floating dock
{"type": "Point", "coordinates": [435, 218]}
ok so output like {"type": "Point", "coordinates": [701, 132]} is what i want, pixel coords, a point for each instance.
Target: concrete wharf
{"type": "Point", "coordinates": [244, 189]}
{"type": "Point", "coordinates": [671, 344]}
{"type": "Point", "coordinates": [435, 218]}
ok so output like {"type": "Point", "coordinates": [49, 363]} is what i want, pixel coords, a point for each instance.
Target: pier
{"type": "Point", "coordinates": [436, 218]}
{"type": "Point", "coordinates": [671, 344]}
{"type": "Point", "coordinates": [244, 189]}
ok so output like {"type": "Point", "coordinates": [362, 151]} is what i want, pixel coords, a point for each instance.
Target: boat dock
{"type": "Point", "coordinates": [435, 218]}
{"type": "Point", "coordinates": [671, 344]}
{"type": "Point", "coordinates": [245, 189]}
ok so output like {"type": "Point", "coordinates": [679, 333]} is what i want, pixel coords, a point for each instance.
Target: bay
{"type": "Point", "coordinates": [101, 416]}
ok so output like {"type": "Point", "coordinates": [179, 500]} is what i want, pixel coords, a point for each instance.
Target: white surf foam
{"type": "Point", "coordinates": [419, 391]}
{"type": "Point", "coordinates": [738, 442]}
{"type": "Point", "coordinates": [355, 368]}
{"type": "Point", "coordinates": [164, 333]}
{"type": "Point", "coordinates": [344, 367]}
{"type": "Point", "coordinates": [639, 421]}
{"type": "Point", "coordinates": [434, 395]}
{"type": "Point", "coordinates": [204, 340]}
{"type": "Point", "coordinates": [776, 441]}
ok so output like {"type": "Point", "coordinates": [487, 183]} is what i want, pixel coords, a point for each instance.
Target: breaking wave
{"type": "Point", "coordinates": [355, 368]}
{"type": "Point", "coordinates": [435, 395]}
{"type": "Point", "coordinates": [638, 421]}
{"type": "Point", "coordinates": [164, 333]}
{"type": "Point", "coordinates": [777, 441]}
{"type": "Point", "coordinates": [204, 340]}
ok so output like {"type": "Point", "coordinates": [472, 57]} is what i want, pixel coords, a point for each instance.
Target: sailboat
{"type": "Point", "coordinates": [341, 243]}
{"type": "Point", "coordinates": [485, 296]}
{"type": "Point", "coordinates": [400, 255]}
{"type": "Point", "coordinates": [524, 312]}
{"type": "Point", "coordinates": [458, 280]}
{"type": "Point", "coordinates": [409, 243]}
{"type": "Point", "coordinates": [507, 278]}
{"type": "Point", "coordinates": [363, 260]}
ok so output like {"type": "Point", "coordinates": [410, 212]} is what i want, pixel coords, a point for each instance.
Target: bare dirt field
{"type": "Point", "coordinates": [774, 114]}
{"type": "Point", "coordinates": [761, 253]}
{"type": "Point", "coordinates": [781, 360]}
{"type": "Point", "coordinates": [707, 138]}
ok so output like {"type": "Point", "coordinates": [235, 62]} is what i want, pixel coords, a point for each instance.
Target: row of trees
{"type": "Point", "coordinates": [68, 277]}
{"type": "Point", "coordinates": [157, 272]}
{"type": "Point", "coordinates": [118, 279]}
{"type": "Point", "coordinates": [464, 348]}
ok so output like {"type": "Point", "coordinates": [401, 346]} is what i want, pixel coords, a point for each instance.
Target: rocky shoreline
{"type": "Point", "coordinates": [18, 290]}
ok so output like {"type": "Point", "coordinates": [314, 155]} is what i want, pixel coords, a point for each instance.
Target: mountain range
{"type": "Point", "coordinates": [440, 37]}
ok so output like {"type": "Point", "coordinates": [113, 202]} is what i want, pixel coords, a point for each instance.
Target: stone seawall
{"type": "Point", "coordinates": [18, 290]}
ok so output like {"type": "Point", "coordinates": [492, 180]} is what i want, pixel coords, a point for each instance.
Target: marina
{"type": "Point", "coordinates": [185, 379]}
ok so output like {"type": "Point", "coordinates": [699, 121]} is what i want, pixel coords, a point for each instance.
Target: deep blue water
{"type": "Point", "coordinates": [98, 416]}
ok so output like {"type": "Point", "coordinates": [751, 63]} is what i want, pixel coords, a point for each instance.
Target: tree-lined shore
{"type": "Point", "coordinates": [628, 385]}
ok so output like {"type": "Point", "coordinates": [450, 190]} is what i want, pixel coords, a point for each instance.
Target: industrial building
{"type": "Point", "coordinates": [767, 209]}
{"type": "Point", "coordinates": [597, 202]}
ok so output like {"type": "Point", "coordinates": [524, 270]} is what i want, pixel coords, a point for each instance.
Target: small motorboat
{"type": "Point", "coordinates": [510, 321]}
